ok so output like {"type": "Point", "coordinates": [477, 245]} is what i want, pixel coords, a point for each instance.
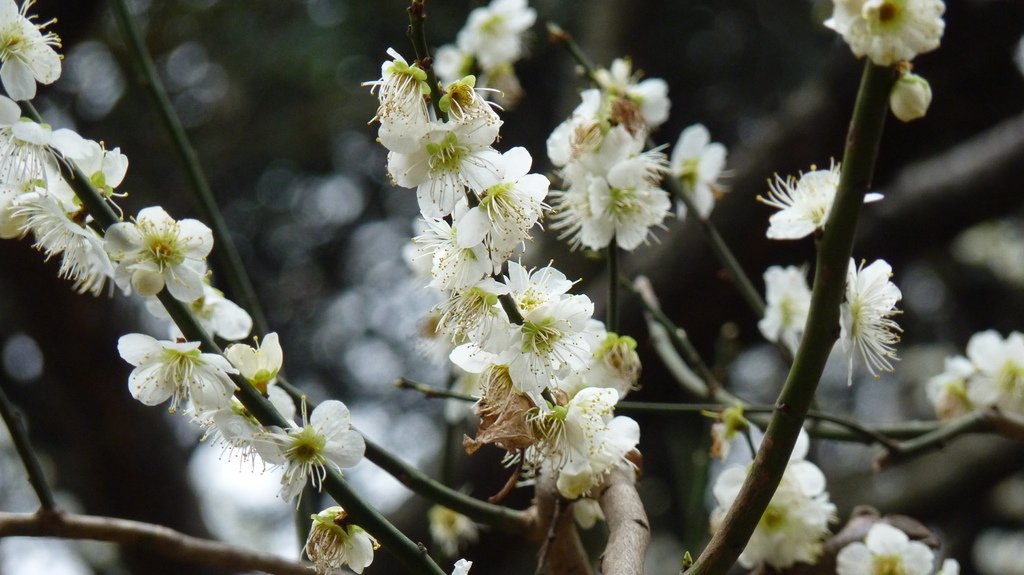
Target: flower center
{"type": "Point", "coordinates": [541, 336]}
{"type": "Point", "coordinates": [889, 565]}
{"type": "Point", "coordinates": [307, 447]}
{"type": "Point", "coordinates": [887, 12]}
{"type": "Point", "coordinates": [774, 518]}
{"type": "Point", "coordinates": [447, 156]}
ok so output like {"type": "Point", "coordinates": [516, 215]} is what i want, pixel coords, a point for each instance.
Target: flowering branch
{"type": "Point", "coordinates": [413, 555]}
{"type": "Point", "coordinates": [228, 259]}
{"type": "Point", "coordinates": [163, 540]}
{"type": "Point", "coordinates": [991, 420]}
{"type": "Point", "coordinates": [820, 333]}
{"type": "Point", "coordinates": [19, 435]}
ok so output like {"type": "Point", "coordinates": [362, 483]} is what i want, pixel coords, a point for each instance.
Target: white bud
{"type": "Point", "coordinates": [910, 97]}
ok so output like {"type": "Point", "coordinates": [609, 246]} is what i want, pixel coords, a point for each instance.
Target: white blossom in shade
{"type": "Point", "coordinates": [865, 318]}
{"type": "Point", "coordinates": [999, 362]}
{"type": "Point", "coordinates": [472, 314]}
{"type": "Point", "coordinates": [325, 440]}
{"type": "Point", "coordinates": [788, 301]}
{"type": "Point", "coordinates": [335, 542]}
{"type": "Point", "coordinates": [949, 567]}
{"type": "Point", "coordinates": [451, 529]}
{"type": "Point", "coordinates": [889, 31]}
{"type": "Point", "coordinates": [450, 157]}
{"type": "Point", "coordinates": [804, 204]}
{"type": "Point", "coordinates": [650, 96]}
{"type": "Point", "coordinates": [454, 266]}
{"type": "Point", "coordinates": [233, 428]}
{"type": "Point", "coordinates": [625, 207]}
{"type": "Point", "coordinates": [451, 63]}
{"type": "Point", "coordinates": [570, 209]}
{"type": "Point", "coordinates": [578, 134]}
{"type": "Point", "coordinates": [59, 229]}
{"type": "Point", "coordinates": [582, 440]}
{"type": "Point", "coordinates": [156, 251]}
{"type": "Point", "coordinates": [258, 365]}
{"type": "Point", "coordinates": [509, 207]}
{"type": "Point", "coordinates": [948, 390]}
{"type": "Point", "coordinates": [493, 33]}
{"type": "Point", "coordinates": [176, 371]}
{"type": "Point", "coordinates": [614, 363]}
{"type": "Point", "coordinates": [796, 520]}
{"type": "Point", "coordinates": [402, 113]}
{"type": "Point", "coordinates": [550, 343]}
{"type": "Point", "coordinates": [105, 168]}
{"type": "Point", "coordinates": [26, 52]}
{"type": "Point", "coordinates": [885, 550]}
{"type": "Point", "coordinates": [698, 163]}
{"type": "Point", "coordinates": [462, 567]}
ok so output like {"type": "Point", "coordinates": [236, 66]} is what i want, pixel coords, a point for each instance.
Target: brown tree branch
{"type": "Point", "coordinates": [163, 540]}
{"type": "Point", "coordinates": [628, 529]}
{"type": "Point", "coordinates": [561, 548]}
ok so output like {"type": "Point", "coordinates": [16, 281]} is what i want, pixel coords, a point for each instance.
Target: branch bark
{"type": "Point", "coordinates": [628, 529]}
{"type": "Point", "coordinates": [561, 548]}
{"type": "Point", "coordinates": [163, 540]}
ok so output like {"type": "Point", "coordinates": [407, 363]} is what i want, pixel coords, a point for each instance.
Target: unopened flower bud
{"type": "Point", "coordinates": [910, 97]}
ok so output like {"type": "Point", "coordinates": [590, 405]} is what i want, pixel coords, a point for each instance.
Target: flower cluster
{"type": "Point", "coordinates": [490, 44]}
{"type": "Point", "coordinates": [992, 374]}
{"type": "Point", "coordinates": [612, 187]}
{"type": "Point", "coordinates": [793, 526]}
{"type": "Point", "coordinates": [521, 335]}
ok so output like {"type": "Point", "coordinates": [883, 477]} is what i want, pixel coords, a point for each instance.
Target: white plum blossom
{"type": "Point", "coordinates": [509, 206]}
{"type": "Point", "coordinates": [804, 204]}
{"type": "Point", "coordinates": [886, 550]}
{"type": "Point", "coordinates": [450, 529]}
{"type": "Point", "coordinates": [999, 379]}
{"type": "Point", "coordinates": [105, 168]}
{"type": "Point", "coordinates": [217, 314]}
{"type": "Point", "coordinates": [889, 31]}
{"type": "Point", "coordinates": [59, 228]}
{"type": "Point", "coordinates": [788, 301]}
{"type": "Point", "coordinates": [796, 520]}
{"type": "Point", "coordinates": [325, 440]}
{"type": "Point", "coordinates": [176, 371]}
{"type": "Point", "coordinates": [650, 96]}
{"type": "Point", "coordinates": [698, 163]}
{"type": "Point", "coordinates": [456, 264]}
{"type": "Point", "coordinates": [550, 343]}
{"type": "Point", "coordinates": [493, 33]}
{"type": "Point", "coordinates": [473, 313]}
{"type": "Point", "coordinates": [448, 158]}
{"type": "Point", "coordinates": [233, 428]}
{"type": "Point", "coordinates": [26, 52]}
{"type": "Point", "coordinates": [403, 110]}
{"type": "Point", "coordinates": [582, 441]}
{"type": "Point", "coordinates": [625, 206]}
{"type": "Point", "coordinates": [948, 390]}
{"type": "Point", "coordinates": [258, 365]}
{"type": "Point", "coordinates": [865, 318]}
{"type": "Point", "coordinates": [451, 63]}
{"type": "Point", "coordinates": [335, 542]}
{"type": "Point", "coordinates": [614, 363]}
{"type": "Point", "coordinates": [156, 251]}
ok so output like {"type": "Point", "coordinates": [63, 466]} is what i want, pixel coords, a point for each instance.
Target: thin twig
{"type": "Point", "coordinates": [432, 392]}
{"type": "Point", "coordinates": [559, 36]}
{"type": "Point", "coordinates": [820, 333]}
{"type": "Point", "coordinates": [163, 540]}
{"type": "Point", "coordinates": [19, 435]}
{"type": "Point", "coordinates": [418, 36]}
{"type": "Point", "coordinates": [229, 262]}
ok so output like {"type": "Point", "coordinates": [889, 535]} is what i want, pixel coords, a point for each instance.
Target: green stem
{"type": "Point", "coordinates": [612, 317]}
{"type": "Point", "coordinates": [228, 261]}
{"type": "Point", "coordinates": [409, 553]}
{"type": "Point", "coordinates": [821, 330]}
{"type": "Point", "coordinates": [720, 249]}
{"type": "Point", "coordinates": [418, 36]}
{"type": "Point", "coordinates": [560, 36]}
{"type": "Point", "coordinates": [19, 435]}
{"type": "Point", "coordinates": [432, 392]}
{"type": "Point", "coordinates": [487, 513]}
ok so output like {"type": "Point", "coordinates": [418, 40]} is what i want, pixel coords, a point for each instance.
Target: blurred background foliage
{"type": "Point", "coordinates": [270, 93]}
